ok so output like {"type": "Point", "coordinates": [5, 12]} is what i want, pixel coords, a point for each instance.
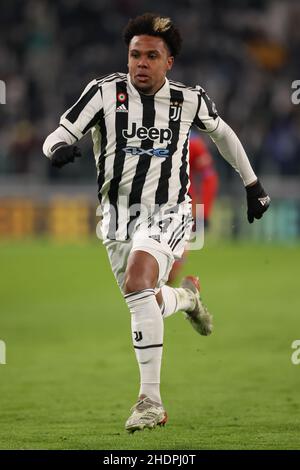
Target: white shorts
{"type": "Point", "coordinates": [165, 241]}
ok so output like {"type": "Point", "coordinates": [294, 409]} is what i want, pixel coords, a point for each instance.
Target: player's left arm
{"type": "Point", "coordinates": [231, 149]}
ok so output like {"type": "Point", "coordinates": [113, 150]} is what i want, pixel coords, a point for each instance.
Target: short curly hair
{"type": "Point", "coordinates": [154, 25]}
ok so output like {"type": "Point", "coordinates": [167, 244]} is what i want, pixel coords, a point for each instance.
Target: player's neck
{"type": "Point", "coordinates": [152, 92]}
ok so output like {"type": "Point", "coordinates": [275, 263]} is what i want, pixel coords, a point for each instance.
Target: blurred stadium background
{"type": "Point", "coordinates": [246, 55]}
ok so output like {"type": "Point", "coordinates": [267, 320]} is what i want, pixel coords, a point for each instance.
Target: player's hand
{"type": "Point", "coordinates": [257, 200]}
{"type": "Point", "coordinates": [64, 155]}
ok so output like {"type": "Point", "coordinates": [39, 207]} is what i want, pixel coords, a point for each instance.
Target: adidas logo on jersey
{"type": "Point", "coordinates": [122, 109]}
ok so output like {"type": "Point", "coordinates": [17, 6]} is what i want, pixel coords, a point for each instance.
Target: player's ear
{"type": "Point", "coordinates": [170, 62]}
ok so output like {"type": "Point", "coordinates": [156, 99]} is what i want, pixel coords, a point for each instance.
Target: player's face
{"type": "Point", "coordinates": [148, 61]}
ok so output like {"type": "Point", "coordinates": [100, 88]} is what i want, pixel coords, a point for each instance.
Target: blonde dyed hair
{"type": "Point", "coordinates": [161, 25]}
{"type": "Point", "coordinates": [154, 25]}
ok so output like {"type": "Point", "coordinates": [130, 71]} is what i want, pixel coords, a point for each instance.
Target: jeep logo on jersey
{"type": "Point", "coordinates": [162, 135]}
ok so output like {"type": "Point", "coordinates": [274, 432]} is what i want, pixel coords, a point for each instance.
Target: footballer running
{"type": "Point", "coordinates": [140, 123]}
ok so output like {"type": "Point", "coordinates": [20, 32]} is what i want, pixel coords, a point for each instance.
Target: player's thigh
{"type": "Point", "coordinates": [118, 253]}
{"type": "Point", "coordinates": [159, 252]}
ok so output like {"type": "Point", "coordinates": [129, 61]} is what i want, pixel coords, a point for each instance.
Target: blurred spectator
{"type": "Point", "coordinates": [246, 54]}
{"type": "Point", "coordinates": [282, 144]}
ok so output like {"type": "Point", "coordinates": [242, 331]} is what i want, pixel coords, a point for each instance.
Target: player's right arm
{"type": "Point", "coordinates": [74, 124]}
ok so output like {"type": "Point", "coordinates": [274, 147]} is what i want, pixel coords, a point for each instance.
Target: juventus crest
{"type": "Point", "coordinates": [175, 110]}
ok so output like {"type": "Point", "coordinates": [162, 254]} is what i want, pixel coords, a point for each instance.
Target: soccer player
{"type": "Point", "coordinates": [203, 188]}
{"type": "Point", "coordinates": [140, 123]}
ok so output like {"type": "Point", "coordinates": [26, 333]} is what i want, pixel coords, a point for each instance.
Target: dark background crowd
{"type": "Point", "coordinates": [246, 54]}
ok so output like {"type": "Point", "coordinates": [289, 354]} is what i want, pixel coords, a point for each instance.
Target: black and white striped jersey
{"type": "Point", "coordinates": [140, 142]}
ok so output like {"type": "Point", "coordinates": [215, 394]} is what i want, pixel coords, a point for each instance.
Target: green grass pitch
{"type": "Point", "coordinates": [71, 376]}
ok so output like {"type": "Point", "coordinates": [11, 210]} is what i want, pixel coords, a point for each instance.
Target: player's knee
{"type": "Point", "coordinates": [137, 283]}
{"type": "Point", "coordinates": [141, 273]}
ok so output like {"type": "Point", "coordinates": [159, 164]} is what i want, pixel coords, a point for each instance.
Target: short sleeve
{"type": "Point", "coordinates": [85, 113]}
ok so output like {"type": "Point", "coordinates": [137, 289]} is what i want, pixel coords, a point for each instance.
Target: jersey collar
{"type": "Point", "coordinates": [163, 91]}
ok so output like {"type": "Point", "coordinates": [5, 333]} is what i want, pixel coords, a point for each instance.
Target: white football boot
{"type": "Point", "coordinates": [199, 317]}
{"type": "Point", "coordinates": [146, 413]}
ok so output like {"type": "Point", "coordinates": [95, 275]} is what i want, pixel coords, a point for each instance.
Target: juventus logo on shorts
{"type": "Point", "coordinates": [175, 111]}
{"type": "Point", "coordinates": [138, 336]}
